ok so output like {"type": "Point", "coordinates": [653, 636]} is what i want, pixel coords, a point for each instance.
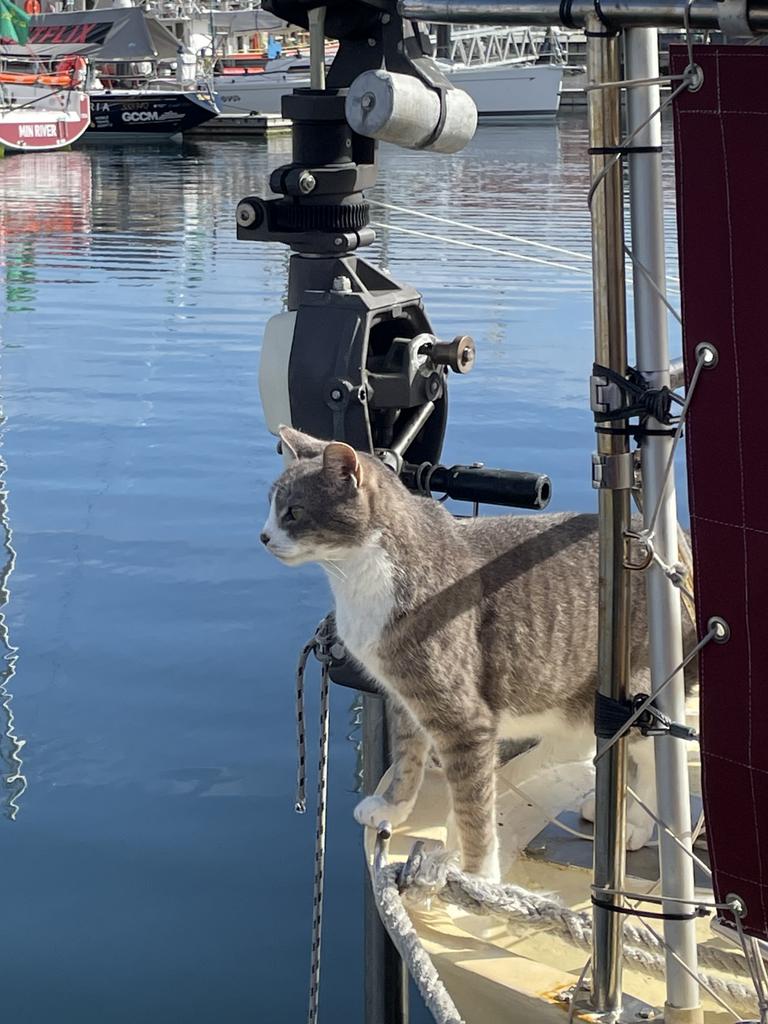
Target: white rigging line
{"type": "Point", "coordinates": [693, 974]}
{"type": "Point", "coordinates": [585, 257]}
{"type": "Point", "coordinates": [481, 230]}
{"type": "Point", "coordinates": [663, 825]}
{"type": "Point", "coordinates": [482, 248]}
{"type": "Point", "coordinates": [650, 279]}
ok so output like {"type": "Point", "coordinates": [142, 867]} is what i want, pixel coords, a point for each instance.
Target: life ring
{"type": "Point", "coordinates": [74, 67]}
{"type": "Point", "coordinates": [32, 6]}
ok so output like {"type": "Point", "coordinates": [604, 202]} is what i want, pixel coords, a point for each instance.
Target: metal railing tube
{"type": "Point", "coordinates": [664, 607]}
{"type": "Point", "coordinates": [704, 14]}
{"type": "Point", "coordinates": [385, 978]}
{"type": "Point", "coordinates": [609, 303]}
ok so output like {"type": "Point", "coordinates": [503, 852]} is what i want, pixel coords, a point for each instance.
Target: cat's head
{"type": "Point", "coordinates": [322, 506]}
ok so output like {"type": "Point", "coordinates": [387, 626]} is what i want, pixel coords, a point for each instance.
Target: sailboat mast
{"type": "Point", "coordinates": [443, 36]}
{"type": "Point", "coordinates": [613, 470]}
{"type": "Point", "coordinates": [664, 606]}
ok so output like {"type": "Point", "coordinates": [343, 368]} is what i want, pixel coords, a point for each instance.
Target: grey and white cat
{"type": "Point", "coordinates": [477, 630]}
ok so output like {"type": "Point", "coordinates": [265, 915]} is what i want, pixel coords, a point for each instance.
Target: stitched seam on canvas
{"type": "Point", "coordinates": [742, 482]}
{"type": "Point", "coordinates": [731, 526]}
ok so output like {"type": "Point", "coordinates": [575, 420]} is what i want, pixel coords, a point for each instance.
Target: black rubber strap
{"type": "Point", "coordinates": [638, 432]}
{"type": "Point", "coordinates": [610, 715]}
{"type": "Point", "coordinates": [639, 398]}
{"type": "Point", "coordinates": [610, 31]}
{"type": "Point", "coordinates": [657, 915]}
{"type": "Point", "coordinates": [623, 150]}
{"type": "Point", "coordinates": [565, 14]}
{"type": "Point", "coordinates": [441, 90]}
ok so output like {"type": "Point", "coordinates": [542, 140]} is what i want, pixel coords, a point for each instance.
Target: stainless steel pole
{"type": "Point", "coordinates": [316, 16]}
{"type": "Point", "coordinates": [613, 456]}
{"type": "Point", "coordinates": [386, 978]}
{"type": "Point", "coordinates": [619, 13]}
{"type": "Point", "coordinates": [664, 610]}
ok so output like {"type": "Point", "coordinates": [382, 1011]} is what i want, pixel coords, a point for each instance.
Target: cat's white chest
{"type": "Point", "coordinates": [365, 602]}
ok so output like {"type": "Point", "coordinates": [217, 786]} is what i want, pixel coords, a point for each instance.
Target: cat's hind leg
{"type": "Point", "coordinates": [410, 746]}
{"type": "Point", "coordinates": [468, 757]}
{"type": "Point", "coordinates": [642, 778]}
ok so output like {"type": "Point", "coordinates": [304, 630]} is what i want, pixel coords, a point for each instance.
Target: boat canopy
{"type": "Point", "coordinates": [112, 34]}
{"type": "Point", "coordinates": [248, 21]}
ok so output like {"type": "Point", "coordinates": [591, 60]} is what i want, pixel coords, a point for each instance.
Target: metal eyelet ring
{"type": "Point", "coordinates": [737, 904]}
{"type": "Point", "coordinates": [707, 351]}
{"type": "Point", "coordinates": [720, 628]}
{"type": "Point", "coordinates": [630, 535]}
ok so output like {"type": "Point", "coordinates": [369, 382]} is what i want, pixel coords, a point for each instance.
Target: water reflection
{"type": "Point", "coordinates": [11, 744]}
{"type": "Point", "coordinates": [44, 202]}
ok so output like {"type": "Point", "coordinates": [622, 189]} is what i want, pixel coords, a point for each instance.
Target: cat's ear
{"type": "Point", "coordinates": [342, 461]}
{"type": "Point", "coordinates": [297, 445]}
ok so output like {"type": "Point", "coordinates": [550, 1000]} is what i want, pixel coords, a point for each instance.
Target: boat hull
{"type": "Point", "coordinates": [131, 115]}
{"type": "Point", "coordinates": [499, 91]}
{"type": "Point", "coordinates": [511, 91]}
{"type": "Point", "coordinates": [39, 129]}
{"type": "Point", "coordinates": [244, 94]}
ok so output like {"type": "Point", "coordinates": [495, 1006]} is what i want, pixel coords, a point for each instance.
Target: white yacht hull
{"type": "Point", "coordinates": [512, 90]}
{"type": "Point", "coordinates": [500, 91]}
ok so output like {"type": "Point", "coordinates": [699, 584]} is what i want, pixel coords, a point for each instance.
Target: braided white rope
{"type": "Point", "coordinates": [395, 919]}
{"type": "Point", "coordinates": [423, 878]}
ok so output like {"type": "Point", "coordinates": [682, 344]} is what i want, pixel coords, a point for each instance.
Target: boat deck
{"type": "Point", "coordinates": [494, 969]}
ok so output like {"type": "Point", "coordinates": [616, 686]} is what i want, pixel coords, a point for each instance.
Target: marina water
{"type": "Point", "coordinates": [155, 870]}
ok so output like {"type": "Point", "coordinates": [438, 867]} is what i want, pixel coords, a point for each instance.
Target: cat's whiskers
{"type": "Point", "coordinates": [334, 569]}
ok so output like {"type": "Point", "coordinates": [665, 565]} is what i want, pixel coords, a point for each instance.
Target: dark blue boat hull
{"type": "Point", "coordinates": [147, 114]}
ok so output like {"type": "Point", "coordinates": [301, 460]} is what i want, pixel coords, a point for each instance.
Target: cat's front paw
{"type": "Point", "coordinates": [488, 868]}
{"type": "Point", "coordinates": [588, 808]}
{"type": "Point", "coordinates": [640, 827]}
{"type": "Point", "coordinates": [375, 809]}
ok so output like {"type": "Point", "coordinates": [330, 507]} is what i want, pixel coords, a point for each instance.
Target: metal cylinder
{"type": "Point", "coordinates": [316, 17]}
{"type": "Point", "coordinates": [609, 302]}
{"type": "Point", "coordinates": [704, 14]}
{"type": "Point", "coordinates": [664, 607]}
{"type": "Point", "coordinates": [492, 486]}
{"type": "Point", "coordinates": [403, 110]}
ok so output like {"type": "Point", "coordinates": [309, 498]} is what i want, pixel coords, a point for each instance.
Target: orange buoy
{"type": "Point", "coordinates": [73, 67]}
{"type": "Point", "coordinates": [32, 6]}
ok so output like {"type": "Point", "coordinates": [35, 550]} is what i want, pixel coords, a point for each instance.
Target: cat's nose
{"type": "Point", "coordinates": [264, 537]}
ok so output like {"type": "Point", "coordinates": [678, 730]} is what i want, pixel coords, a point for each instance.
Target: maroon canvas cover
{"type": "Point", "coordinates": [721, 151]}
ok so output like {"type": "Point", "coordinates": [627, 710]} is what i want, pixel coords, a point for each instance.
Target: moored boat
{"type": "Point", "coordinates": [144, 84]}
{"type": "Point", "coordinates": [43, 105]}
{"type": "Point", "coordinates": [500, 89]}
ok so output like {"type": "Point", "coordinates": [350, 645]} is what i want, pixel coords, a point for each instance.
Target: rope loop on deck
{"type": "Point", "coordinates": [427, 876]}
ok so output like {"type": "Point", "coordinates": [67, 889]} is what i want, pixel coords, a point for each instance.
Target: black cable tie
{"type": "Point", "coordinates": [655, 914]}
{"type": "Point", "coordinates": [622, 150]}
{"type": "Point", "coordinates": [638, 432]}
{"type": "Point", "coordinates": [611, 715]}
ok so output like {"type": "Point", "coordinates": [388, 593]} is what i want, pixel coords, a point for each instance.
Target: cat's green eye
{"type": "Point", "coordinates": [294, 513]}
